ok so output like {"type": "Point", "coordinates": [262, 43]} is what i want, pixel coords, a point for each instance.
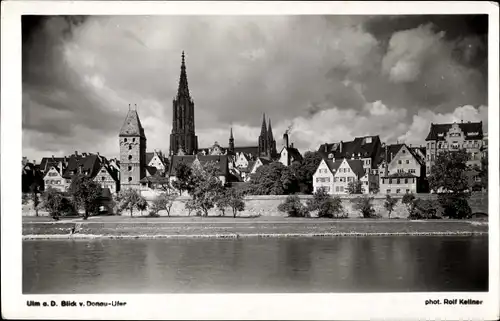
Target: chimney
{"type": "Point", "coordinates": [291, 145]}
{"type": "Point", "coordinates": [326, 147]}
{"type": "Point", "coordinates": [340, 146]}
{"type": "Point", "coordinates": [80, 168]}
{"type": "Point", "coordinates": [34, 162]}
{"type": "Point", "coordinates": [285, 139]}
{"type": "Point", "coordinates": [61, 167]}
{"type": "Point", "coordinates": [76, 153]}
{"type": "Point", "coordinates": [53, 158]}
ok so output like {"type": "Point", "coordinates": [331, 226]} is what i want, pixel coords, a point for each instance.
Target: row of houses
{"type": "Point", "coordinates": [397, 168]}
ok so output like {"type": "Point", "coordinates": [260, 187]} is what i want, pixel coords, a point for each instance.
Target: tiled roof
{"type": "Point", "coordinates": [132, 125]}
{"type": "Point", "coordinates": [151, 170]}
{"type": "Point", "coordinates": [333, 165]}
{"type": "Point", "coordinates": [265, 161]}
{"type": "Point", "coordinates": [50, 161]}
{"type": "Point", "coordinates": [359, 146]}
{"type": "Point", "coordinates": [392, 150]}
{"type": "Point", "coordinates": [474, 128]}
{"type": "Point", "coordinates": [149, 157]}
{"type": "Point", "coordinates": [294, 153]}
{"type": "Point", "coordinates": [252, 150]}
{"type": "Point", "coordinates": [189, 159]}
{"type": "Point", "coordinates": [357, 167]}
{"type": "Point", "coordinates": [90, 163]}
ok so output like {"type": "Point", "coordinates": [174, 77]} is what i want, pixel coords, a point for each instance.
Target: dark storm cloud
{"type": "Point", "coordinates": [331, 77]}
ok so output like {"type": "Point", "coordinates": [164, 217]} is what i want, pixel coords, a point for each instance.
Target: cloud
{"type": "Point", "coordinates": [332, 77]}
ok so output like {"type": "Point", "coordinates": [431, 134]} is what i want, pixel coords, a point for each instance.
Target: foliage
{"type": "Point", "coordinates": [273, 179]}
{"type": "Point", "coordinates": [129, 199]}
{"type": "Point", "coordinates": [424, 209]}
{"type": "Point", "coordinates": [236, 202]}
{"type": "Point", "coordinates": [208, 188]}
{"type": "Point", "coordinates": [484, 173]}
{"type": "Point", "coordinates": [222, 201]}
{"type": "Point", "coordinates": [304, 171]}
{"type": "Point", "coordinates": [25, 198]}
{"type": "Point", "coordinates": [408, 200]}
{"type": "Point", "coordinates": [355, 187]}
{"type": "Point", "coordinates": [390, 203]}
{"type": "Point", "coordinates": [163, 202]}
{"type": "Point", "coordinates": [293, 207]}
{"type": "Point", "coordinates": [455, 205]}
{"type": "Point", "coordinates": [365, 206]}
{"type": "Point", "coordinates": [52, 201]}
{"type": "Point", "coordinates": [142, 204]}
{"type": "Point", "coordinates": [185, 181]}
{"type": "Point", "coordinates": [190, 206]}
{"type": "Point", "coordinates": [448, 172]}
{"type": "Point", "coordinates": [85, 194]}
{"type": "Point", "coordinates": [325, 204]}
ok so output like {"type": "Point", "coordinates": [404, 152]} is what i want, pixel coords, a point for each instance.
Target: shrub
{"type": "Point", "coordinates": [424, 209]}
{"type": "Point", "coordinates": [365, 206]}
{"type": "Point", "coordinates": [293, 207]}
{"type": "Point", "coordinates": [455, 205]}
{"type": "Point", "coordinates": [408, 200]}
{"type": "Point", "coordinates": [325, 204]}
{"type": "Point", "coordinates": [153, 213]}
{"type": "Point", "coordinates": [390, 203]}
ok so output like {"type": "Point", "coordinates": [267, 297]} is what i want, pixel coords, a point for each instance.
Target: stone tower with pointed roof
{"type": "Point", "coordinates": [231, 143]}
{"type": "Point", "coordinates": [267, 144]}
{"type": "Point", "coordinates": [132, 151]}
{"type": "Point", "coordinates": [183, 136]}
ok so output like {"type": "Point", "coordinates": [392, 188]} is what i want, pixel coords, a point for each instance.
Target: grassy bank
{"type": "Point", "coordinates": [121, 227]}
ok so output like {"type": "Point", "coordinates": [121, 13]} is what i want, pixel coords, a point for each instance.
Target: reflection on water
{"type": "Point", "coordinates": [344, 264]}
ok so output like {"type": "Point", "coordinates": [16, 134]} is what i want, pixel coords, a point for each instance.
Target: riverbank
{"type": "Point", "coordinates": [119, 227]}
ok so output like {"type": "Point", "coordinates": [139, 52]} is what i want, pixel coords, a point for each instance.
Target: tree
{"type": "Point", "coordinates": [365, 206]}
{"type": "Point", "coordinates": [390, 203]}
{"type": "Point", "coordinates": [163, 202]}
{"type": "Point", "coordinates": [86, 194]}
{"type": "Point", "coordinates": [142, 204]}
{"type": "Point", "coordinates": [34, 192]}
{"type": "Point", "coordinates": [52, 201]}
{"type": "Point", "coordinates": [273, 179]}
{"type": "Point", "coordinates": [423, 209]}
{"type": "Point", "coordinates": [208, 188]}
{"type": "Point", "coordinates": [304, 171]}
{"type": "Point", "coordinates": [408, 200]}
{"type": "Point", "coordinates": [128, 200]}
{"type": "Point", "coordinates": [325, 204]}
{"type": "Point", "coordinates": [484, 173]}
{"type": "Point", "coordinates": [355, 187]}
{"type": "Point", "coordinates": [222, 201]}
{"type": "Point", "coordinates": [293, 207]}
{"type": "Point", "coordinates": [236, 202]}
{"type": "Point", "coordinates": [185, 181]}
{"type": "Point", "coordinates": [448, 172]}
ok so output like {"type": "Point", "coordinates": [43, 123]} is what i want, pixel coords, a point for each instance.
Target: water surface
{"type": "Point", "coordinates": [337, 264]}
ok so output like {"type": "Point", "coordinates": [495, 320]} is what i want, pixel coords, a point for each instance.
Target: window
{"type": "Point", "coordinates": [129, 157]}
{"type": "Point", "coordinates": [129, 147]}
{"type": "Point", "coordinates": [407, 191]}
{"type": "Point", "coordinates": [327, 188]}
{"type": "Point", "coordinates": [103, 178]}
{"type": "Point", "coordinates": [337, 189]}
{"type": "Point", "coordinates": [388, 191]}
{"type": "Point", "coordinates": [335, 179]}
{"type": "Point", "coordinates": [404, 151]}
{"type": "Point", "coordinates": [398, 181]}
{"type": "Point", "coordinates": [125, 140]}
{"type": "Point", "coordinates": [328, 179]}
{"type": "Point", "coordinates": [130, 179]}
{"type": "Point", "coordinates": [399, 162]}
{"type": "Point", "coordinates": [390, 180]}
{"type": "Point", "coordinates": [407, 161]}
{"type": "Point", "coordinates": [401, 170]}
{"type": "Point", "coordinates": [133, 139]}
{"type": "Point", "coordinates": [411, 170]}
{"type": "Point", "coordinates": [103, 171]}
{"type": "Point", "coordinates": [432, 145]}
{"type": "Point", "coordinates": [398, 191]}
{"type": "Point", "coordinates": [406, 180]}
{"type": "Point", "coordinates": [341, 188]}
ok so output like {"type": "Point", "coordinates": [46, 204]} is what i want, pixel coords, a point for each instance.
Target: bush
{"type": "Point", "coordinates": [455, 205]}
{"type": "Point", "coordinates": [293, 207]}
{"type": "Point", "coordinates": [424, 209]}
{"type": "Point", "coordinates": [365, 206]}
{"type": "Point", "coordinates": [325, 204]}
{"type": "Point", "coordinates": [408, 200]}
{"type": "Point", "coordinates": [389, 204]}
{"type": "Point", "coordinates": [153, 213]}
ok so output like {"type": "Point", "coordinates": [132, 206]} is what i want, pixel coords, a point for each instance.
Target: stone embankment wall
{"type": "Point", "coordinates": [266, 205]}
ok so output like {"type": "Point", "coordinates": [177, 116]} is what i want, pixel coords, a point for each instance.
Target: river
{"type": "Point", "coordinates": [292, 265]}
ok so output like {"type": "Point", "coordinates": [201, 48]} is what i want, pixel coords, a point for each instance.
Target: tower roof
{"type": "Point", "coordinates": [132, 125]}
{"type": "Point", "coordinates": [270, 131]}
{"type": "Point", "coordinates": [263, 130]}
{"type": "Point", "coordinates": [183, 82]}
{"type": "Point", "coordinates": [231, 134]}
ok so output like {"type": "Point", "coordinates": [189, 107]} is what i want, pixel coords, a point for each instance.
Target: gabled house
{"type": "Point", "coordinates": [335, 175]}
{"type": "Point", "coordinates": [157, 160]}
{"type": "Point", "coordinates": [402, 170]}
{"type": "Point", "coordinates": [288, 153]}
{"type": "Point", "coordinates": [54, 178]}
{"type": "Point", "coordinates": [87, 165]}
{"type": "Point", "coordinates": [258, 163]}
{"type": "Point", "coordinates": [107, 178]}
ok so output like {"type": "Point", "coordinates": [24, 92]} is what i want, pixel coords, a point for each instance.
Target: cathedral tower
{"type": "Point", "coordinates": [263, 138]}
{"type": "Point", "coordinates": [183, 139]}
{"type": "Point", "coordinates": [231, 143]}
{"type": "Point", "coordinates": [132, 151]}
{"type": "Point", "coordinates": [271, 143]}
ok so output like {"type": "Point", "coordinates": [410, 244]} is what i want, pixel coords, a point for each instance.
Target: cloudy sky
{"type": "Point", "coordinates": [329, 78]}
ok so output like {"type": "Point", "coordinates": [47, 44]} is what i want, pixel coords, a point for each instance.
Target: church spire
{"type": "Point", "coordinates": [231, 142]}
{"type": "Point", "coordinates": [183, 82]}
{"type": "Point", "coordinates": [263, 130]}
{"type": "Point", "coordinates": [270, 132]}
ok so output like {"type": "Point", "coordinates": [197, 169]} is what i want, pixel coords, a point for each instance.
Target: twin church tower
{"type": "Point", "coordinates": [183, 140]}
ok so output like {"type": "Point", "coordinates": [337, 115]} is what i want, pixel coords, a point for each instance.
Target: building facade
{"type": "Point", "coordinates": [288, 153]}
{"type": "Point", "coordinates": [453, 137]}
{"type": "Point", "coordinates": [334, 176]}
{"type": "Point", "coordinates": [183, 139]}
{"type": "Point", "coordinates": [132, 141]}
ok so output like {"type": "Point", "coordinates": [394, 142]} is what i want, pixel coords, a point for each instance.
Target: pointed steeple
{"type": "Point", "coordinates": [183, 82]}
{"type": "Point", "coordinates": [132, 125]}
{"type": "Point", "coordinates": [270, 132]}
{"type": "Point", "coordinates": [263, 130]}
{"type": "Point", "coordinates": [231, 134]}
{"type": "Point", "coordinates": [231, 142]}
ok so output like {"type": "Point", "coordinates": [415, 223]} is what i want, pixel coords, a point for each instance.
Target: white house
{"type": "Point", "coordinates": [335, 175]}
{"type": "Point", "coordinates": [54, 178]}
{"type": "Point", "coordinates": [107, 177]}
